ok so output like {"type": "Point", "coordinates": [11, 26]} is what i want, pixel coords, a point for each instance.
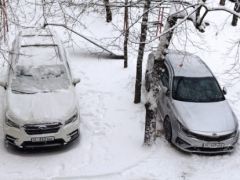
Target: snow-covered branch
{"type": "Point", "coordinates": [220, 8]}
{"type": "Point", "coordinates": [184, 13]}
{"type": "Point", "coordinates": [176, 13]}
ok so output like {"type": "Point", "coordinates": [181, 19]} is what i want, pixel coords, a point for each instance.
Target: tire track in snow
{"type": "Point", "coordinates": [100, 101]}
{"type": "Point", "coordinates": [115, 174]}
{"type": "Point", "coordinates": [94, 122]}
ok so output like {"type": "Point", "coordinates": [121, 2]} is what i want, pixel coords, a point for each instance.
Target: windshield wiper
{"type": "Point", "coordinates": [22, 92]}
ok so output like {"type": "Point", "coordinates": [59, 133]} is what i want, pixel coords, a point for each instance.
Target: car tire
{"type": "Point", "coordinates": [147, 84]}
{"type": "Point", "coordinates": [167, 129]}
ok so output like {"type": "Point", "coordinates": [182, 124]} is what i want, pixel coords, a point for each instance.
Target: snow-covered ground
{"type": "Point", "coordinates": [111, 129]}
{"type": "Point", "coordinates": [112, 126]}
{"type": "Point", "coordinates": [110, 146]}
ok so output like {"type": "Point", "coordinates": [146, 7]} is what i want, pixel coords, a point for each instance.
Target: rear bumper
{"type": "Point", "coordinates": [194, 145]}
{"type": "Point", "coordinates": [20, 139]}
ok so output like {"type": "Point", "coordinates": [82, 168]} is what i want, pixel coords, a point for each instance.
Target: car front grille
{"type": "Point", "coordinates": [213, 138]}
{"type": "Point", "coordinates": [43, 128]}
{"type": "Point", "coordinates": [29, 144]}
{"type": "Point", "coordinates": [213, 150]}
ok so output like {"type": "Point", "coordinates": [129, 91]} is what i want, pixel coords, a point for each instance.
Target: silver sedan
{"type": "Point", "coordinates": [195, 113]}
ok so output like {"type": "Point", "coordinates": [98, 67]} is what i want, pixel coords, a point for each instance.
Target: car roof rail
{"type": "Point", "coordinates": [38, 45]}
{"type": "Point", "coordinates": [42, 35]}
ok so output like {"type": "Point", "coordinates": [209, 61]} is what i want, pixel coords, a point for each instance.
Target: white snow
{"type": "Point", "coordinates": [36, 56]}
{"type": "Point", "coordinates": [112, 126]}
{"type": "Point", "coordinates": [111, 129]}
{"type": "Point", "coordinates": [41, 107]}
{"type": "Point", "coordinates": [41, 39]}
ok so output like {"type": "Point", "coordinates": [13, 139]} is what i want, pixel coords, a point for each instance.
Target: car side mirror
{"type": "Point", "coordinates": [224, 90]}
{"type": "Point", "coordinates": [76, 81]}
{"type": "Point", "coordinates": [3, 84]}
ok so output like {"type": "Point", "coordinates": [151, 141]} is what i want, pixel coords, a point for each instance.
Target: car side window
{"type": "Point", "coordinates": [165, 77]}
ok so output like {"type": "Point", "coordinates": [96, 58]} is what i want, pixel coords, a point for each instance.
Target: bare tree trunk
{"type": "Point", "coordinates": [43, 12]}
{"type": "Point", "coordinates": [162, 47]}
{"type": "Point", "coordinates": [108, 11]}
{"type": "Point", "coordinates": [150, 125]}
{"type": "Point", "coordinates": [1, 21]}
{"type": "Point", "coordinates": [222, 2]}
{"type": "Point", "coordinates": [126, 29]}
{"type": "Point", "coordinates": [237, 9]}
{"type": "Point", "coordinates": [4, 19]}
{"type": "Point", "coordinates": [138, 84]}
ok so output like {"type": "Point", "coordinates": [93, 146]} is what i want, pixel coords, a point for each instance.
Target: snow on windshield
{"type": "Point", "coordinates": [30, 79]}
{"type": "Point", "coordinates": [39, 55]}
{"type": "Point", "coordinates": [203, 89]}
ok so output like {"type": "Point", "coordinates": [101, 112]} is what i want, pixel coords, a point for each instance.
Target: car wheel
{"type": "Point", "coordinates": [147, 84]}
{"type": "Point", "coordinates": [167, 129]}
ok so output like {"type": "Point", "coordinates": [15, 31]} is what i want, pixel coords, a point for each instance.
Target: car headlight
{"type": "Point", "coordinates": [233, 134]}
{"type": "Point", "coordinates": [184, 129]}
{"type": "Point", "coordinates": [72, 119]}
{"type": "Point", "coordinates": [11, 123]}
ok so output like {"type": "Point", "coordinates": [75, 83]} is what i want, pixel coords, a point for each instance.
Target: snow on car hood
{"type": "Point", "coordinates": [211, 117]}
{"type": "Point", "coordinates": [41, 107]}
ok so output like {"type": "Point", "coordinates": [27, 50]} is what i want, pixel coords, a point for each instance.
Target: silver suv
{"type": "Point", "coordinates": [195, 114]}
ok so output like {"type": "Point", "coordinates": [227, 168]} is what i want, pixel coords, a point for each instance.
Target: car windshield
{"type": "Point", "coordinates": [200, 89]}
{"type": "Point", "coordinates": [29, 79]}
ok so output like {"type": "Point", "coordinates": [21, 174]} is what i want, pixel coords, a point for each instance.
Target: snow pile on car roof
{"type": "Point", "coordinates": [39, 55]}
{"type": "Point", "coordinates": [35, 32]}
{"type": "Point", "coordinates": [37, 40]}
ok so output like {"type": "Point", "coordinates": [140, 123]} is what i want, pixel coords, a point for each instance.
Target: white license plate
{"type": "Point", "coordinates": [213, 145]}
{"type": "Point", "coordinates": [42, 139]}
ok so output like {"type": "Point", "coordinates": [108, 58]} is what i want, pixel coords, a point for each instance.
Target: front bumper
{"type": "Point", "coordinates": [21, 139]}
{"type": "Point", "coordinates": [194, 145]}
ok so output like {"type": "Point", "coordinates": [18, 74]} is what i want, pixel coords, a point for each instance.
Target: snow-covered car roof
{"type": "Point", "coordinates": [36, 39]}
{"type": "Point", "coordinates": [38, 47]}
{"type": "Point", "coordinates": [35, 36]}
{"type": "Point", "coordinates": [39, 55]}
{"type": "Point", "coordinates": [188, 65]}
{"type": "Point", "coordinates": [35, 31]}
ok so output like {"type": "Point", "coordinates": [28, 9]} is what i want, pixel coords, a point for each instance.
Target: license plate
{"type": "Point", "coordinates": [42, 139]}
{"type": "Point", "coordinates": [213, 145]}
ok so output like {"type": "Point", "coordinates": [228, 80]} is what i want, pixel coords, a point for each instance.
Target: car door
{"type": "Point", "coordinates": [163, 96]}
